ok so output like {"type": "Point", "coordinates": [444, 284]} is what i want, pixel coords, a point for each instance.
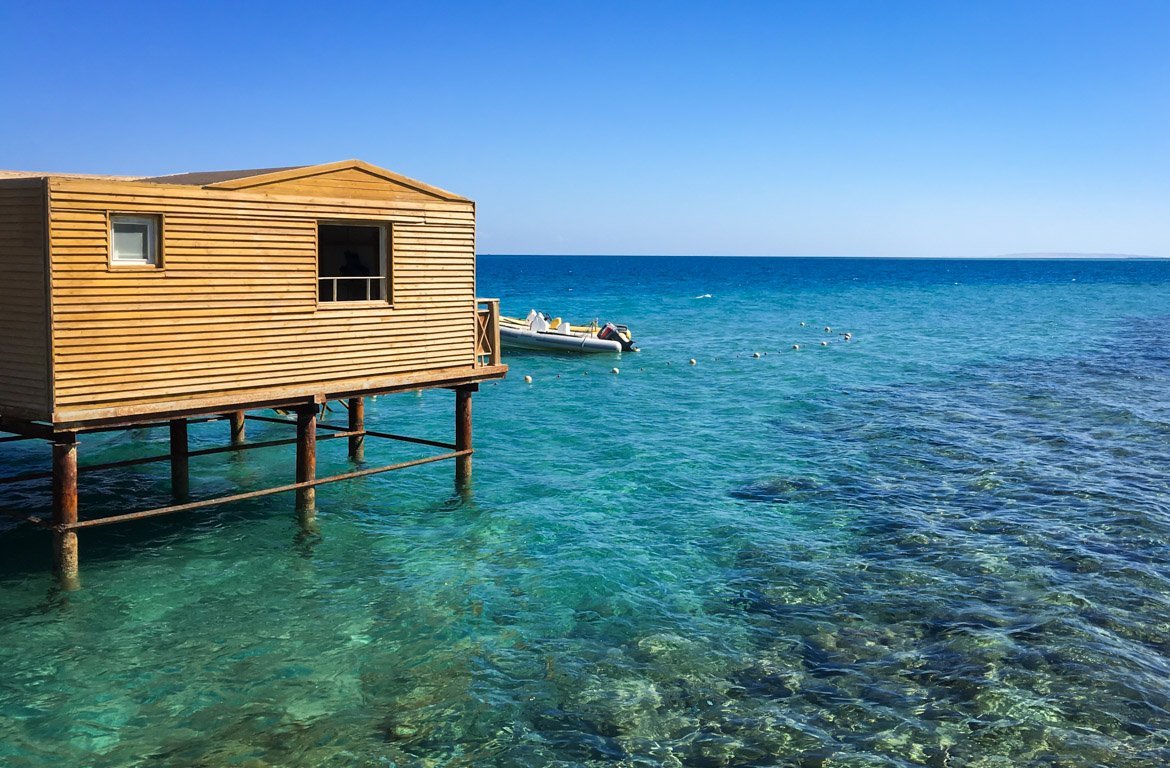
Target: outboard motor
{"type": "Point", "coordinates": [620, 334]}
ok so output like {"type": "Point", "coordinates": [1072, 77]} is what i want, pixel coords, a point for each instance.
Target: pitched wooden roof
{"type": "Point", "coordinates": [255, 177]}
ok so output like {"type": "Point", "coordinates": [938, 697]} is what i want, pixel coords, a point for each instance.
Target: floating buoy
{"type": "Point", "coordinates": [828, 329]}
{"type": "Point", "coordinates": [755, 354]}
{"type": "Point", "coordinates": [796, 347]}
{"type": "Point", "coordinates": [848, 337]}
{"type": "Point", "coordinates": [615, 370]}
{"type": "Point", "coordinates": [527, 379]}
{"type": "Point", "coordinates": [693, 361]}
{"type": "Point", "coordinates": [802, 324]}
{"type": "Point", "coordinates": [824, 343]}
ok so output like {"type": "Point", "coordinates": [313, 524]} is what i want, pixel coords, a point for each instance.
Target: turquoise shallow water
{"type": "Point", "coordinates": [942, 543]}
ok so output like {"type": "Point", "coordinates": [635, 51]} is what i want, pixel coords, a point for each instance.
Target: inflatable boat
{"type": "Point", "coordinates": [539, 331]}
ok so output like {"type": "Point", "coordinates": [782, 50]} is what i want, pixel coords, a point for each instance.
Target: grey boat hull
{"type": "Point", "coordinates": [523, 338]}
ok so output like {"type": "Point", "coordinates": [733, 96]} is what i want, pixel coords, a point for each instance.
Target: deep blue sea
{"type": "Point", "coordinates": [942, 542]}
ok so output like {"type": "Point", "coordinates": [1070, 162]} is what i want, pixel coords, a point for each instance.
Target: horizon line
{"type": "Point", "coordinates": [1000, 257]}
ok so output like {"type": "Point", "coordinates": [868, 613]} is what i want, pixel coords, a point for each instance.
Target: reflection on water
{"type": "Point", "coordinates": [942, 543]}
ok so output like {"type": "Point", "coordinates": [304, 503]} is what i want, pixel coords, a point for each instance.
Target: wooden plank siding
{"type": "Point", "coordinates": [234, 307]}
{"type": "Point", "coordinates": [24, 303]}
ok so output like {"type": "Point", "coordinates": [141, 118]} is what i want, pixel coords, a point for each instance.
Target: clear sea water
{"type": "Point", "coordinates": [945, 542]}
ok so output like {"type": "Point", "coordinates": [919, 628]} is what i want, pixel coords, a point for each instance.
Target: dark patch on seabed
{"type": "Point", "coordinates": [776, 490]}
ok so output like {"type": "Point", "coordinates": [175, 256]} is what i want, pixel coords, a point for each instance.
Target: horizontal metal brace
{"type": "Point", "coordinates": [256, 494]}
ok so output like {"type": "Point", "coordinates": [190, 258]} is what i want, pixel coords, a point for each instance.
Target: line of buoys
{"type": "Point", "coordinates": [845, 336]}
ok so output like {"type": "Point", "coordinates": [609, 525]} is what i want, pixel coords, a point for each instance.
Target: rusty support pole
{"type": "Point", "coordinates": [463, 436]}
{"type": "Point", "coordinates": [65, 509]}
{"type": "Point", "coordinates": [307, 464]}
{"type": "Point", "coordinates": [238, 433]}
{"type": "Point", "coordinates": [180, 461]}
{"type": "Point", "coordinates": [357, 423]}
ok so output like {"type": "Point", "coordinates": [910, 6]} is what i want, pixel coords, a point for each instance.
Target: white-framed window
{"type": "Point", "coordinates": [134, 240]}
{"type": "Point", "coordinates": [353, 262]}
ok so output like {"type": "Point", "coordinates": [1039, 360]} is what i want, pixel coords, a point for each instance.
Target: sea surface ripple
{"type": "Point", "coordinates": [942, 542]}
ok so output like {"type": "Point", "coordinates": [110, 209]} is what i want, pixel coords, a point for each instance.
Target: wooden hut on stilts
{"type": "Point", "coordinates": [159, 301]}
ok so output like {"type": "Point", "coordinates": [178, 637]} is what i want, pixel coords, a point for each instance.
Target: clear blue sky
{"type": "Point", "coordinates": [789, 128]}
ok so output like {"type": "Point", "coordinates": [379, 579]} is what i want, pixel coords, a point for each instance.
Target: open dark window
{"type": "Point", "coordinates": [352, 262]}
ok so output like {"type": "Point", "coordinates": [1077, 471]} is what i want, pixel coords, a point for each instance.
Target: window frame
{"type": "Point", "coordinates": [154, 223]}
{"type": "Point", "coordinates": [385, 264]}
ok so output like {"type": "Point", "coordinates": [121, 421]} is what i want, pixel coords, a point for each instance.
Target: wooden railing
{"type": "Point", "coordinates": [487, 332]}
{"type": "Point", "coordinates": [348, 288]}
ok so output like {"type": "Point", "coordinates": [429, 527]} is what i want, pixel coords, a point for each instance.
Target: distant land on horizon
{"type": "Point", "coordinates": [1091, 256]}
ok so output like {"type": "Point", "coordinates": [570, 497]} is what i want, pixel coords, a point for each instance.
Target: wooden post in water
{"type": "Point", "coordinates": [65, 509]}
{"type": "Point", "coordinates": [180, 473]}
{"type": "Point", "coordinates": [463, 435]}
{"type": "Point", "coordinates": [237, 418]}
{"type": "Point", "coordinates": [357, 423]}
{"type": "Point", "coordinates": [307, 464]}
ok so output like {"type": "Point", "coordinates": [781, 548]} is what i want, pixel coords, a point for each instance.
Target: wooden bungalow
{"type": "Point", "coordinates": [129, 301]}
